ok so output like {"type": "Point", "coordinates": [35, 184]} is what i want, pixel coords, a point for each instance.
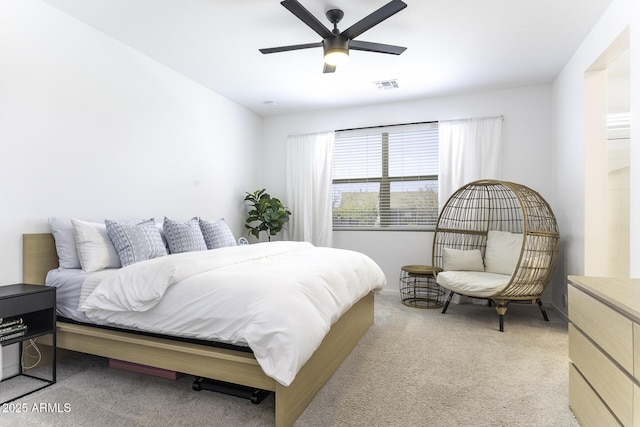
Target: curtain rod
{"type": "Point", "coordinates": [387, 126]}
{"type": "Point", "coordinates": [408, 124]}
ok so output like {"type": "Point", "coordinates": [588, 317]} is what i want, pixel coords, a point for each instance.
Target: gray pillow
{"type": "Point", "coordinates": [183, 236]}
{"type": "Point", "coordinates": [135, 243]}
{"type": "Point", "coordinates": [217, 234]}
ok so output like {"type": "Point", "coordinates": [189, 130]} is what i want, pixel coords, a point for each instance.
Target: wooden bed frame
{"type": "Point", "coordinates": [39, 256]}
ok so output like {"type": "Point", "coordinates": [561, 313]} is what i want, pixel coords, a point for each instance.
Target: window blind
{"type": "Point", "coordinates": [386, 178]}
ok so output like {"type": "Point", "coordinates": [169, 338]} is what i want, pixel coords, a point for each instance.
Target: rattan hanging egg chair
{"type": "Point", "coordinates": [496, 240]}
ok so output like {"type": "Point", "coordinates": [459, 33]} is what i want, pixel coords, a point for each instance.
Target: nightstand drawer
{"type": "Point", "coordinates": [611, 330]}
{"type": "Point", "coordinates": [19, 305]}
{"type": "Point", "coordinates": [614, 387]}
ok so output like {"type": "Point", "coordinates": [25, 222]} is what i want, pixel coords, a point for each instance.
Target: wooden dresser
{"type": "Point", "coordinates": [604, 350]}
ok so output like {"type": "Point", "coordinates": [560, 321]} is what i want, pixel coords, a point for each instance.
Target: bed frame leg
{"type": "Point", "coordinates": [446, 304]}
{"type": "Point", "coordinates": [544, 313]}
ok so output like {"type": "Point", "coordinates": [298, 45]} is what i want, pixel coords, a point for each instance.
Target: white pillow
{"type": "Point", "coordinates": [95, 249]}
{"type": "Point", "coordinates": [461, 260]}
{"type": "Point", "coordinates": [62, 231]}
{"type": "Point", "coordinates": [502, 252]}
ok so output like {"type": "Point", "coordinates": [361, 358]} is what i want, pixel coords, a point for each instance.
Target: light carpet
{"type": "Point", "coordinates": [415, 367]}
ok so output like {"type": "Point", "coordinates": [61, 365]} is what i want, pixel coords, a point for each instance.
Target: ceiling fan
{"type": "Point", "coordinates": [336, 44]}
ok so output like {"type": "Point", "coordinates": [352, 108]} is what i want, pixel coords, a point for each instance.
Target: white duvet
{"type": "Point", "coordinates": [279, 298]}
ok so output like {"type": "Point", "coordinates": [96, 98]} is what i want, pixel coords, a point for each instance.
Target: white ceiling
{"type": "Point", "coordinates": [452, 46]}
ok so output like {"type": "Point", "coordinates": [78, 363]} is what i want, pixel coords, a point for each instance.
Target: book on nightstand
{"type": "Point", "coordinates": [12, 328]}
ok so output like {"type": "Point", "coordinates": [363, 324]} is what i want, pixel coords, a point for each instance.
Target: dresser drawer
{"type": "Point", "coordinates": [611, 330]}
{"type": "Point", "coordinates": [636, 353]}
{"type": "Point", "coordinates": [586, 404]}
{"type": "Point", "coordinates": [636, 409]}
{"type": "Point", "coordinates": [614, 386]}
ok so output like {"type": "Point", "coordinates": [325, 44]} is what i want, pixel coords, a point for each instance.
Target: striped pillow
{"type": "Point", "coordinates": [217, 234]}
{"type": "Point", "coordinates": [135, 243]}
{"type": "Point", "coordinates": [183, 237]}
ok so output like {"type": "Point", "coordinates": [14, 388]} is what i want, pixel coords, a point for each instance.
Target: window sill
{"type": "Point", "coordinates": [414, 229]}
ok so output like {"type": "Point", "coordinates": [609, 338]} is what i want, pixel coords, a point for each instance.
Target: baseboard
{"type": "Point", "coordinates": [560, 313]}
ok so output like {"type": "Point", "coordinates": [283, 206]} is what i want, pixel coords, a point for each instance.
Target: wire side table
{"type": "Point", "coordinates": [418, 287]}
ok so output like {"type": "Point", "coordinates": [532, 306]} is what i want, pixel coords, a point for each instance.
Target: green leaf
{"type": "Point", "coordinates": [265, 213]}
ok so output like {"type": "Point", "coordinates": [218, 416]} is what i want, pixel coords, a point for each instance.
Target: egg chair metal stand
{"type": "Point", "coordinates": [481, 206]}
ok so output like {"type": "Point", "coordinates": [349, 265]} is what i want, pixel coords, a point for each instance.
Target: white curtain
{"type": "Point", "coordinates": [308, 175]}
{"type": "Point", "coordinates": [469, 149]}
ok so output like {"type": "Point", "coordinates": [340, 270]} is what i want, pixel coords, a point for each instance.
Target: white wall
{"type": "Point", "coordinates": [568, 154]}
{"type": "Point", "coordinates": [90, 128]}
{"type": "Point", "coordinates": [634, 251]}
{"type": "Point", "coordinates": [527, 147]}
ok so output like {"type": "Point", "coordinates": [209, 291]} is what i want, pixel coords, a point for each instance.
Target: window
{"type": "Point", "coordinates": [386, 178]}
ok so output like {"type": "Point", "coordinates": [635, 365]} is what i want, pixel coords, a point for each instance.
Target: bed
{"type": "Point", "coordinates": [225, 364]}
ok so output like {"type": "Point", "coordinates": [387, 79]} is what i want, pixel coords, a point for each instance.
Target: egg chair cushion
{"type": "Point", "coordinates": [473, 283]}
{"type": "Point", "coordinates": [502, 252]}
{"type": "Point", "coordinates": [462, 260]}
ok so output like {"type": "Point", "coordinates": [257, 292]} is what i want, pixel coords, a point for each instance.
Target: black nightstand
{"type": "Point", "coordinates": [36, 306]}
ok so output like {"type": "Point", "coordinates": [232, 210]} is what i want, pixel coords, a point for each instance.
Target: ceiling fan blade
{"type": "Point", "coordinates": [376, 47]}
{"type": "Point", "coordinates": [374, 18]}
{"type": "Point", "coordinates": [290, 47]}
{"type": "Point", "coordinates": [329, 68]}
{"type": "Point", "coordinates": [305, 16]}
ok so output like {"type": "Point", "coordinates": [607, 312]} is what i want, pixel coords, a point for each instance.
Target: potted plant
{"type": "Point", "coordinates": [266, 214]}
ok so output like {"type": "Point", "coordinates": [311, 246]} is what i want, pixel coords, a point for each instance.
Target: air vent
{"type": "Point", "coordinates": [387, 84]}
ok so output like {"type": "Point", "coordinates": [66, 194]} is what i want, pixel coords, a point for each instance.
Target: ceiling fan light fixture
{"type": "Point", "coordinates": [336, 51]}
{"type": "Point", "coordinates": [336, 57]}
